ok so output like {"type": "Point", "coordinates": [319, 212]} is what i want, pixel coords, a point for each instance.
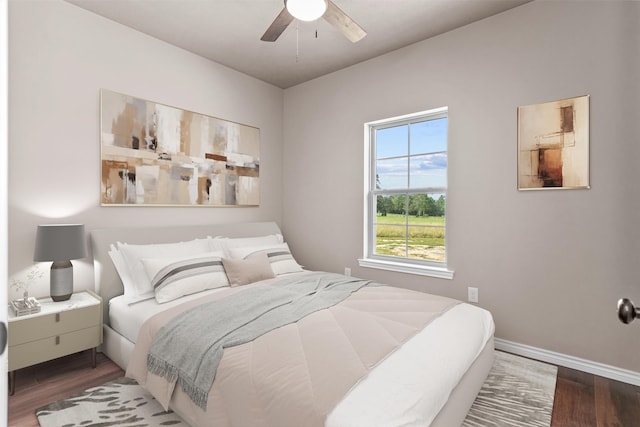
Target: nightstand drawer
{"type": "Point", "coordinates": [37, 328]}
{"type": "Point", "coordinates": [30, 353]}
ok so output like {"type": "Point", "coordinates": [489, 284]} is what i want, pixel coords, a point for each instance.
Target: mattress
{"type": "Point", "coordinates": [407, 388]}
{"type": "Point", "coordinates": [127, 319]}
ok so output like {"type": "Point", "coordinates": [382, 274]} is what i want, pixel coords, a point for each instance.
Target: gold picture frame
{"type": "Point", "coordinates": [553, 145]}
{"type": "Point", "coordinates": [157, 155]}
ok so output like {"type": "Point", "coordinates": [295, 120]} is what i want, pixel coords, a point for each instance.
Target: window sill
{"type": "Point", "coordinates": [422, 270]}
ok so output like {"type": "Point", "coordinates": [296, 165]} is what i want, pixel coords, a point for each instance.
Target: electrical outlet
{"type": "Point", "coordinates": [473, 294]}
{"type": "Point", "coordinates": [347, 271]}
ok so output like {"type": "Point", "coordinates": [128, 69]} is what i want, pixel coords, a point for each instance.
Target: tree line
{"type": "Point", "coordinates": [419, 205]}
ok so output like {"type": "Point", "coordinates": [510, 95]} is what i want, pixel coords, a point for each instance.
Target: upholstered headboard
{"type": "Point", "coordinates": [107, 281]}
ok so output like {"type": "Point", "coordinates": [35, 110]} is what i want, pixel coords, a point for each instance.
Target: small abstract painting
{"type": "Point", "coordinates": [153, 154]}
{"type": "Point", "coordinates": [553, 145]}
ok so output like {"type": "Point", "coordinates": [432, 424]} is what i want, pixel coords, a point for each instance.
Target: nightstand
{"type": "Point", "coordinates": [59, 329]}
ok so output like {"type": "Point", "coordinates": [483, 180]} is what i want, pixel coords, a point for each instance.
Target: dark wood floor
{"type": "Point", "coordinates": [586, 400]}
{"type": "Point", "coordinates": [47, 382]}
{"type": "Point", "coordinates": [581, 400]}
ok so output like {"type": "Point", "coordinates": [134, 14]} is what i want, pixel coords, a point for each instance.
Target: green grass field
{"type": "Point", "coordinates": [425, 240]}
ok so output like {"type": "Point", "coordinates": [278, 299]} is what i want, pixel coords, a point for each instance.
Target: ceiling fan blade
{"type": "Point", "coordinates": [340, 20]}
{"type": "Point", "coordinates": [278, 26]}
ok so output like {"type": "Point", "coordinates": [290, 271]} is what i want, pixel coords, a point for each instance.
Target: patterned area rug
{"type": "Point", "coordinates": [121, 402]}
{"type": "Point", "coordinates": [517, 392]}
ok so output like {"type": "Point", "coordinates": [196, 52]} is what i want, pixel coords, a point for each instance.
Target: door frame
{"type": "Point", "coordinates": [4, 177]}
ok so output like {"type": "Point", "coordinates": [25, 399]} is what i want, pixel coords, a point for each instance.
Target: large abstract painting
{"type": "Point", "coordinates": [553, 144]}
{"type": "Point", "coordinates": [153, 154]}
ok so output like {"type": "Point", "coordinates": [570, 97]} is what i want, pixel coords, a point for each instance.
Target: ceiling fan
{"type": "Point", "coordinates": [310, 10]}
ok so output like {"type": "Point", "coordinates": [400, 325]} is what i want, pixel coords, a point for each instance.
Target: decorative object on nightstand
{"type": "Point", "coordinates": [60, 243]}
{"type": "Point", "coordinates": [26, 305]}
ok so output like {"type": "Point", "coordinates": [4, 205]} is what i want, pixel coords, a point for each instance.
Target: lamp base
{"type": "Point", "coordinates": [61, 284]}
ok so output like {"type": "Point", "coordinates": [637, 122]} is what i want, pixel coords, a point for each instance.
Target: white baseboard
{"type": "Point", "coordinates": [595, 368]}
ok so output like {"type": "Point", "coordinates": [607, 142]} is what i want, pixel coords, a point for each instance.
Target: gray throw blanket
{"type": "Point", "coordinates": [189, 348]}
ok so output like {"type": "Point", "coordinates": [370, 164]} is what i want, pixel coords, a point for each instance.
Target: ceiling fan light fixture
{"type": "Point", "coordinates": [306, 10]}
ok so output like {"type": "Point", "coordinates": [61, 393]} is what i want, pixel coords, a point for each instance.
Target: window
{"type": "Point", "coordinates": [406, 193]}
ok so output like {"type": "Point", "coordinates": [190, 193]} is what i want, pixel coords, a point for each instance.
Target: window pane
{"type": "Point", "coordinates": [391, 240]}
{"type": "Point", "coordinates": [392, 173]}
{"type": "Point", "coordinates": [426, 231]}
{"type": "Point", "coordinates": [391, 209]}
{"type": "Point", "coordinates": [390, 225]}
{"type": "Point", "coordinates": [439, 206]}
{"type": "Point", "coordinates": [426, 205]}
{"type": "Point", "coordinates": [383, 207]}
{"type": "Point", "coordinates": [429, 136]}
{"type": "Point", "coordinates": [426, 242]}
{"type": "Point", "coordinates": [429, 170]}
{"type": "Point", "coordinates": [392, 142]}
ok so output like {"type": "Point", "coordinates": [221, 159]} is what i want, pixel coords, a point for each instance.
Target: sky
{"type": "Point", "coordinates": [412, 156]}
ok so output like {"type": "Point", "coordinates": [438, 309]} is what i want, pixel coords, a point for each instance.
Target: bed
{"type": "Point", "coordinates": [430, 378]}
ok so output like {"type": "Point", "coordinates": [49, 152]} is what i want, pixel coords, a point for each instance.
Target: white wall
{"type": "Point", "coordinates": [60, 56]}
{"type": "Point", "coordinates": [550, 265]}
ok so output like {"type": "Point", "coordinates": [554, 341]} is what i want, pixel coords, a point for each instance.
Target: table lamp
{"type": "Point", "coordinates": [60, 243]}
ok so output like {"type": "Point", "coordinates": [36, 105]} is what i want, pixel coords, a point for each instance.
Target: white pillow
{"type": "Point", "coordinates": [173, 278]}
{"type": "Point", "coordinates": [123, 272]}
{"type": "Point", "coordinates": [244, 242]}
{"type": "Point", "coordinates": [215, 243]}
{"type": "Point", "coordinates": [140, 285]}
{"type": "Point", "coordinates": [280, 258]}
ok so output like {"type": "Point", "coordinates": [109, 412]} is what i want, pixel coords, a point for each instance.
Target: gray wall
{"type": "Point", "coordinates": [60, 56]}
{"type": "Point", "coordinates": [550, 265]}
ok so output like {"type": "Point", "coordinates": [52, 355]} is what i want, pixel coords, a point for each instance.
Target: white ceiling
{"type": "Point", "coordinates": [228, 31]}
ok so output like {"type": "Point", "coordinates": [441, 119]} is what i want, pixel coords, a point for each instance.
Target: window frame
{"type": "Point", "coordinates": [389, 262]}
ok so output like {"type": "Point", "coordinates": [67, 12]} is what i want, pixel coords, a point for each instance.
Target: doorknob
{"type": "Point", "coordinates": [627, 311]}
{"type": "Point", "coordinates": [3, 337]}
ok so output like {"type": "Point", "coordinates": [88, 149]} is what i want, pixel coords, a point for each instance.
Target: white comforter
{"type": "Point", "coordinates": [405, 389]}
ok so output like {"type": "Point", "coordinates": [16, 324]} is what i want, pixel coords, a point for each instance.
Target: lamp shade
{"type": "Point", "coordinates": [306, 10]}
{"type": "Point", "coordinates": [60, 242]}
